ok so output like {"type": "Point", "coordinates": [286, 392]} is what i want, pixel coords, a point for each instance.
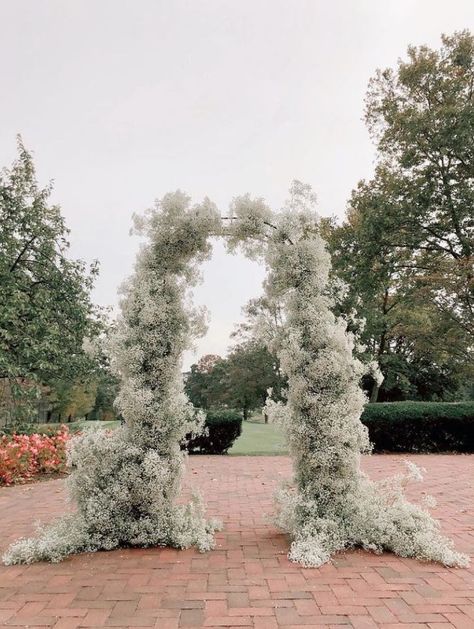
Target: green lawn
{"type": "Point", "coordinates": [77, 425]}
{"type": "Point", "coordinates": [256, 437]}
{"type": "Point", "coordinates": [259, 438]}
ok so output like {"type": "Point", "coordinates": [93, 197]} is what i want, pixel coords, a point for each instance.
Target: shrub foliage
{"type": "Point", "coordinates": [22, 457]}
{"type": "Point", "coordinates": [221, 429]}
{"type": "Point", "coordinates": [420, 426]}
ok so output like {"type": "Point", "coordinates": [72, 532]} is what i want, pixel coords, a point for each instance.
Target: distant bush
{"type": "Point", "coordinates": [420, 426]}
{"type": "Point", "coordinates": [222, 428]}
{"type": "Point", "coordinates": [22, 457]}
{"type": "Point", "coordinates": [33, 429]}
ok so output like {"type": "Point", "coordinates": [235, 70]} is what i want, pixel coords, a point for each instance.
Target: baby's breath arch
{"type": "Point", "coordinates": [126, 484]}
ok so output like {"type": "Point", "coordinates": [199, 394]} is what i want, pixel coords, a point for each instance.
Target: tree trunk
{"type": "Point", "coordinates": [374, 394]}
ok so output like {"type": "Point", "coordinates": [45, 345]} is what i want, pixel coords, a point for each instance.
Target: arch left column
{"type": "Point", "coordinates": [126, 485]}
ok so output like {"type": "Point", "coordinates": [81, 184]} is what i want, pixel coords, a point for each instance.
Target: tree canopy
{"type": "Point", "coordinates": [406, 247]}
{"type": "Point", "coordinates": [240, 381]}
{"type": "Point", "coordinates": [46, 310]}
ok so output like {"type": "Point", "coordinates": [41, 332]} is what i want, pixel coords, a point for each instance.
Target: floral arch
{"type": "Point", "coordinates": [126, 484]}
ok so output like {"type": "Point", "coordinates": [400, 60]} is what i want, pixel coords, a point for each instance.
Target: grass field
{"type": "Point", "coordinates": [259, 438]}
{"type": "Point", "coordinates": [77, 425]}
{"type": "Point", "coordinates": [256, 437]}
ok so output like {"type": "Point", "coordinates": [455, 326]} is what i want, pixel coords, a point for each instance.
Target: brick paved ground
{"type": "Point", "coordinates": [247, 581]}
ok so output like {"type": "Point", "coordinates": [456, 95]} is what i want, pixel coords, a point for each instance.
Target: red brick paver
{"type": "Point", "coordinates": [247, 581]}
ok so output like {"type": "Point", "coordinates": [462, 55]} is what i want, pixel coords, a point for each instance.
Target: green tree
{"type": "Point", "coordinates": [403, 330]}
{"type": "Point", "coordinates": [405, 248]}
{"type": "Point", "coordinates": [106, 392]}
{"type": "Point", "coordinates": [250, 371]}
{"type": "Point", "coordinates": [72, 400]}
{"type": "Point", "coordinates": [205, 384]}
{"type": "Point", "coordinates": [241, 380]}
{"type": "Point", "coordinates": [91, 396]}
{"type": "Point", "coordinates": [422, 118]}
{"type": "Point", "coordinates": [45, 305]}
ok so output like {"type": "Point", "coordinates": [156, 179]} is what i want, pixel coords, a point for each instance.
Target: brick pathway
{"type": "Point", "coordinates": [247, 581]}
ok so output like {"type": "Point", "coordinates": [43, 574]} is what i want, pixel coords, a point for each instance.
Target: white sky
{"type": "Point", "coordinates": [122, 101]}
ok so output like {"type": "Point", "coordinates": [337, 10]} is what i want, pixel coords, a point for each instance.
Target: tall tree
{"type": "Point", "coordinates": [205, 384]}
{"type": "Point", "coordinates": [45, 305]}
{"type": "Point", "coordinates": [406, 247]}
{"type": "Point", "coordinates": [422, 118]}
{"type": "Point", "coordinates": [73, 400]}
{"type": "Point", "coordinates": [251, 371]}
{"type": "Point", "coordinates": [403, 330]}
{"type": "Point", "coordinates": [241, 380]}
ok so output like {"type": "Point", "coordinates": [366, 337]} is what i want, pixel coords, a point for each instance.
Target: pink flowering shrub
{"type": "Point", "coordinates": [24, 456]}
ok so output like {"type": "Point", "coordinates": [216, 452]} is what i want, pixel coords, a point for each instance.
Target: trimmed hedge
{"type": "Point", "coordinates": [222, 428]}
{"type": "Point", "coordinates": [420, 426]}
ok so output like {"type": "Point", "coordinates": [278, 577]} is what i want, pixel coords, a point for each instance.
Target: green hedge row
{"type": "Point", "coordinates": [420, 426]}
{"type": "Point", "coordinates": [222, 428]}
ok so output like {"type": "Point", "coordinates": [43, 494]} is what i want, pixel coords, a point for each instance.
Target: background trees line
{"type": "Point", "coordinates": [240, 381]}
{"type": "Point", "coordinates": [404, 252]}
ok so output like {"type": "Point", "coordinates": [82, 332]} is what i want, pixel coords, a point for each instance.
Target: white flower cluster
{"type": "Point", "coordinates": [126, 485]}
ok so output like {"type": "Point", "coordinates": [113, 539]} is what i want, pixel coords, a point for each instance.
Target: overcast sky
{"type": "Point", "coordinates": [122, 101]}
